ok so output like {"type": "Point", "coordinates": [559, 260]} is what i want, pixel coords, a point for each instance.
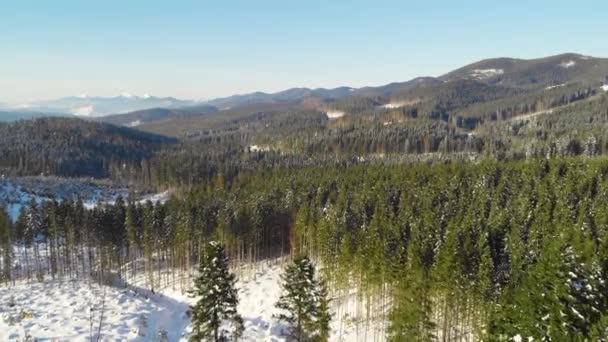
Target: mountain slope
{"type": "Point", "coordinates": [8, 116]}
{"type": "Point", "coordinates": [73, 147]}
{"type": "Point", "coordinates": [140, 117]}
{"type": "Point", "coordinates": [535, 73]}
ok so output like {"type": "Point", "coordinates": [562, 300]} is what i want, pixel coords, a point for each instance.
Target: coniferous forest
{"type": "Point", "coordinates": [466, 207]}
{"type": "Point", "coordinates": [493, 249]}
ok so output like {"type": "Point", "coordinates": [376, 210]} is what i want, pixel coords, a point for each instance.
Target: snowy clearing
{"type": "Point", "coordinates": [72, 310]}
{"type": "Point", "coordinates": [18, 192]}
{"type": "Point", "coordinates": [61, 310]}
{"type": "Point", "coordinates": [334, 114]}
{"type": "Point", "coordinates": [256, 148]}
{"type": "Point", "coordinates": [393, 105]}
{"type": "Point", "coordinates": [555, 86]}
{"type": "Point", "coordinates": [568, 64]}
{"type": "Point", "coordinates": [486, 73]}
{"type": "Point", "coordinates": [134, 123]}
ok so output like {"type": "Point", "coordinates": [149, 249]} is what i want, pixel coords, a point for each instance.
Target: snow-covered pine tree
{"type": "Point", "coordinates": [304, 302]}
{"type": "Point", "coordinates": [218, 301]}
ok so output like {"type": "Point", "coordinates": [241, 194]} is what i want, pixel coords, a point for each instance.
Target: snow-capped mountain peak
{"type": "Point", "coordinates": [90, 106]}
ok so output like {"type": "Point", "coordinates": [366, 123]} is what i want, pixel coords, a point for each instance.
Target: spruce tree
{"type": "Point", "coordinates": [5, 246]}
{"type": "Point", "coordinates": [304, 302]}
{"type": "Point", "coordinates": [218, 301]}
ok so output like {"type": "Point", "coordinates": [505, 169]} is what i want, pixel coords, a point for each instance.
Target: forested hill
{"type": "Point", "coordinates": [73, 147]}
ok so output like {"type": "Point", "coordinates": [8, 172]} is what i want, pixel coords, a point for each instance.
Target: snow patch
{"type": "Point", "coordinates": [256, 148]}
{"type": "Point", "coordinates": [334, 114]}
{"type": "Point", "coordinates": [134, 123]}
{"type": "Point", "coordinates": [568, 64]}
{"type": "Point", "coordinates": [161, 197]}
{"type": "Point", "coordinates": [555, 86]}
{"type": "Point", "coordinates": [146, 96]}
{"type": "Point", "coordinates": [83, 111]}
{"type": "Point", "coordinates": [126, 95]}
{"type": "Point", "coordinates": [604, 87]}
{"type": "Point", "coordinates": [393, 105]}
{"type": "Point", "coordinates": [486, 73]}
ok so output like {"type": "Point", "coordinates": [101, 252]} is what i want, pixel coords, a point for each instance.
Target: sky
{"type": "Point", "coordinates": [207, 49]}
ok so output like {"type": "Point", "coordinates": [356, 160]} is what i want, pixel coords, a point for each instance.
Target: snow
{"type": "Point", "coordinates": [555, 86]}
{"type": "Point", "coordinates": [14, 194]}
{"type": "Point", "coordinates": [83, 111]}
{"type": "Point", "coordinates": [568, 64]}
{"type": "Point", "coordinates": [134, 123]}
{"type": "Point", "coordinates": [604, 87]}
{"type": "Point", "coordinates": [72, 310]}
{"type": "Point", "coordinates": [486, 73]}
{"type": "Point", "coordinates": [61, 309]}
{"type": "Point", "coordinates": [146, 96]}
{"type": "Point", "coordinates": [13, 198]}
{"type": "Point", "coordinates": [256, 148]}
{"type": "Point", "coordinates": [161, 197]}
{"type": "Point", "coordinates": [126, 95]}
{"type": "Point", "coordinates": [393, 105]}
{"type": "Point", "coordinates": [334, 114]}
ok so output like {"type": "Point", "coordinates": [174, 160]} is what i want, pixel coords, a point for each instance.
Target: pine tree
{"type": "Point", "coordinates": [218, 301]}
{"type": "Point", "coordinates": [304, 302]}
{"type": "Point", "coordinates": [34, 229]}
{"type": "Point", "coordinates": [5, 246]}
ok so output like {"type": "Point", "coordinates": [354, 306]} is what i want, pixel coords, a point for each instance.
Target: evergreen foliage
{"type": "Point", "coordinates": [304, 302]}
{"type": "Point", "coordinates": [218, 301]}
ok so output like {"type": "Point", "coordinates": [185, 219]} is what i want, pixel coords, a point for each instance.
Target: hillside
{"type": "Point", "coordinates": [144, 116]}
{"type": "Point", "coordinates": [535, 73]}
{"type": "Point", "coordinates": [73, 147]}
{"type": "Point", "coordinates": [9, 116]}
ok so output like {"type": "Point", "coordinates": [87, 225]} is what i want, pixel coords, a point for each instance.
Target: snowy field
{"type": "Point", "coordinates": [72, 311]}
{"type": "Point", "coordinates": [79, 310]}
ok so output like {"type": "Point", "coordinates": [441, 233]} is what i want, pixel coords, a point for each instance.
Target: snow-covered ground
{"type": "Point", "coordinates": [18, 192]}
{"type": "Point", "coordinates": [568, 64]}
{"type": "Point", "coordinates": [134, 123]}
{"type": "Point", "coordinates": [555, 86]}
{"type": "Point", "coordinates": [78, 310]}
{"type": "Point", "coordinates": [334, 114]}
{"type": "Point", "coordinates": [393, 105]}
{"type": "Point", "coordinates": [605, 87]}
{"type": "Point", "coordinates": [63, 310]}
{"type": "Point", "coordinates": [486, 73]}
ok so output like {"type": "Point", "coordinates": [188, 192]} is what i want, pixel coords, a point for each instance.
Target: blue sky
{"type": "Point", "coordinates": [205, 49]}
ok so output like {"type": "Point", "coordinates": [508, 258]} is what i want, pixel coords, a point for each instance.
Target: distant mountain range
{"type": "Point", "coordinates": [93, 106]}
{"type": "Point", "coordinates": [501, 75]}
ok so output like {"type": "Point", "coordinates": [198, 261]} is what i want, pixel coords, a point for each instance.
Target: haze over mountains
{"type": "Point", "coordinates": [507, 75]}
{"type": "Point", "coordinates": [93, 106]}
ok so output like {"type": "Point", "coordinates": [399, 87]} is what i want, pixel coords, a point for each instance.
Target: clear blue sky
{"type": "Point", "coordinates": [205, 49]}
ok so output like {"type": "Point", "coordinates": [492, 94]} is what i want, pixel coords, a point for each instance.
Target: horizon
{"type": "Point", "coordinates": [208, 51]}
